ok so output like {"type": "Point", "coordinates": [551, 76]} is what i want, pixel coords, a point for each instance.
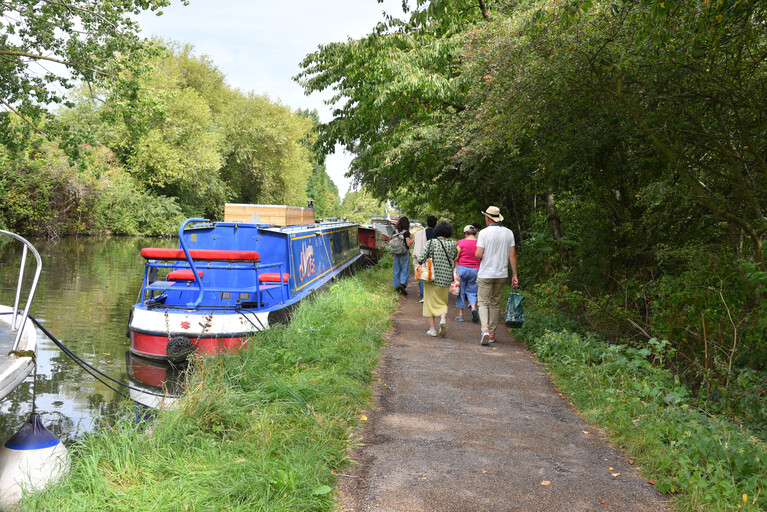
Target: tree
{"type": "Point", "coordinates": [48, 47]}
{"type": "Point", "coordinates": [359, 206]}
{"type": "Point", "coordinates": [265, 160]}
{"type": "Point", "coordinates": [398, 88]}
{"type": "Point", "coordinates": [176, 152]}
{"type": "Point", "coordinates": [323, 192]}
{"type": "Point", "coordinates": [320, 188]}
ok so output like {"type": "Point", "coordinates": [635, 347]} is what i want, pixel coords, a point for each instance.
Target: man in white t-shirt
{"type": "Point", "coordinates": [495, 249]}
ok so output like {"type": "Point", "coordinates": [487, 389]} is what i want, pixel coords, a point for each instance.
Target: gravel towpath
{"type": "Point", "coordinates": [458, 427]}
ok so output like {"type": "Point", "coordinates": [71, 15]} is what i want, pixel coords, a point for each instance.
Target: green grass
{"type": "Point", "coordinates": [704, 462]}
{"type": "Point", "coordinates": [263, 430]}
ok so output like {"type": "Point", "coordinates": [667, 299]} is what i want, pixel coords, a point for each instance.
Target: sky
{"type": "Point", "coordinates": [259, 44]}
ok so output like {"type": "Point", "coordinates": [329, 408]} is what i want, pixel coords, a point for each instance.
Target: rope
{"type": "Point", "coordinates": [94, 372]}
{"type": "Point", "coordinates": [34, 389]}
{"type": "Point", "coordinates": [245, 316]}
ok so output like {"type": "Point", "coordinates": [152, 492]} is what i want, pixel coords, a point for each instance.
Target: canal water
{"type": "Point", "coordinates": [86, 289]}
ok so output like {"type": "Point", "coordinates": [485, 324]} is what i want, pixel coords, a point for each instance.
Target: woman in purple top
{"type": "Point", "coordinates": [468, 264]}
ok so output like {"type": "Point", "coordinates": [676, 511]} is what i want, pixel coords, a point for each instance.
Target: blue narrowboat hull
{"type": "Point", "coordinates": [229, 280]}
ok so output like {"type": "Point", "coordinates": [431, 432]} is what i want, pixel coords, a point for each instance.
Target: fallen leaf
{"type": "Point", "coordinates": [585, 431]}
{"type": "Point", "coordinates": [468, 398]}
{"type": "Point", "coordinates": [484, 471]}
{"type": "Point", "coordinates": [363, 418]}
{"type": "Point", "coordinates": [610, 469]}
{"type": "Point", "coordinates": [602, 502]}
{"type": "Point", "coordinates": [424, 478]}
{"type": "Point", "coordinates": [616, 474]}
{"type": "Point", "coordinates": [545, 482]}
{"type": "Point", "coordinates": [652, 482]}
{"type": "Point", "coordinates": [745, 497]}
{"type": "Point", "coordinates": [632, 461]}
{"type": "Point", "coordinates": [321, 490]}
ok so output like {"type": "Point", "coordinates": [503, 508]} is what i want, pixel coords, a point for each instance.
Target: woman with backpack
{"type": "Point", "coordinates": [399, 244]}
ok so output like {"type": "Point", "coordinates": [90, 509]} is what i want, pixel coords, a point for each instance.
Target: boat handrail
{"type": "Point", "coordinates": [19, 327]}
{"type": "Point", "coordinates": [256, 266]}
{"type": "Point", "coordinates": [191, 261]}
{"type": "Point", "coordinates": [282, 285]}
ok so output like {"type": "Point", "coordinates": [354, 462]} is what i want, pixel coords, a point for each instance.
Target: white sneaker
{"type": "Point", "coordinates": [485, 340]}
{"type": "Point", "coordinates": [443, 328]}
{"type": "Point", "coordinates": [432, 332]}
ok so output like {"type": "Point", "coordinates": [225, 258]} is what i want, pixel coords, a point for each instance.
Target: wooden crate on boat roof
{"type": "Point", "coordinates": [279, 215]}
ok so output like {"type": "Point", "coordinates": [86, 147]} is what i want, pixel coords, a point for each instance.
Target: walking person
{"type": "Point", "coordinates": [400, 243]}
{"type": "Point", "coordinates": [442, 252]}
{"type": "Point", "coordinates": [496, 251]}
{"type": "Point", "coordinates": [468, 265]}
{"type": "Point", "coordinates": [419, 241]}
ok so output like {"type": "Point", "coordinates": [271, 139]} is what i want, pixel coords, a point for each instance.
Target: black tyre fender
{"type": "Point", "coordinates": [178, 349]}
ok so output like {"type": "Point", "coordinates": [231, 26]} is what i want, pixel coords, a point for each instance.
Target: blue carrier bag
{"type": "Point", "coordinates": [515, 314]}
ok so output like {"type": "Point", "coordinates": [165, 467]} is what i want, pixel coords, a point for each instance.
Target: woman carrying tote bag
{"type": "Point", "coordinates": [443, 252]}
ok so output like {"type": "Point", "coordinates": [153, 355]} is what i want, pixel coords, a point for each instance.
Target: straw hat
{"type": "Point", "coordinates": [494, 213]}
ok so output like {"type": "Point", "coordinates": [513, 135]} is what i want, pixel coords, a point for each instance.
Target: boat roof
{"type": "Point", "coordinates": [272, 227]}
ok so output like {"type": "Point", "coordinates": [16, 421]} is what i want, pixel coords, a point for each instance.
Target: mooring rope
{"type": "Point", "coordinates": [255, 315]}
{"type": "Point", "coordinates": [89, 368]}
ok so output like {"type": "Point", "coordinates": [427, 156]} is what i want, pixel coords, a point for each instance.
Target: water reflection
{"type": "Point", "coordinates": [85, 293]}
{"type": "Point", "coordinates": [149, 379]}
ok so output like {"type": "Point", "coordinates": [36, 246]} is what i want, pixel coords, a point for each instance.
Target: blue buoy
{"type": "Point", "coordinates": [31, 459]}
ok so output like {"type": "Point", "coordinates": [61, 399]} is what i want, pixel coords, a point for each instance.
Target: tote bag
{"type": "Point", "coordinates": [455, 286]}
{"type": "Point", "coordinates": [425, 271]}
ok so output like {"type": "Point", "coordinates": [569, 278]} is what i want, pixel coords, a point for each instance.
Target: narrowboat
{"type": "Point", "coordinates": [18, 337]}
{"type": "Point", "coordinates": [371, 243]}
{"type": "Point", "coordinates": [228, 280]}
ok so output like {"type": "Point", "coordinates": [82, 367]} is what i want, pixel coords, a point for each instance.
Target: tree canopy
{"type": "Point", "coordinates": [194, 144]}
{"type": "Point", "coordinates": [533, 98]}
{"type": "Point", "coordinates": [47, 48]}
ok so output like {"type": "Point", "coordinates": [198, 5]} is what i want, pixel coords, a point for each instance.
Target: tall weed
{"type": "Point", "coordinates": [707, 462]}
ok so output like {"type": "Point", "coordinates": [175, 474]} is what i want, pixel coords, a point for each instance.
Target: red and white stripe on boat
{"type": "Point", "coordinates": [212, 332]}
